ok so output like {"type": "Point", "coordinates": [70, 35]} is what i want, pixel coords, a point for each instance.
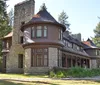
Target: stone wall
{"type": "Point", "coordinates": [53, 62]}
{"type": "Point", "coordinates": [12, 60]}
{"type": "Point", "coordinates": [93, 63]}
{"type": "Point", "coordinates": [53, 57]}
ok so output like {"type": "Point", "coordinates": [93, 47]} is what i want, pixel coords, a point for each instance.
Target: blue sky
{"type": "Point", "coordinates": [83, 14]}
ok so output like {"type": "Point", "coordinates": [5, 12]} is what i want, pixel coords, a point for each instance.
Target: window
{"type": "Point", "coordinates": [39, 57]}
{"type": "Point", "coordinates": [20, 61]}
{"type": "Point", "coordinates": [69, 44]}
{"type": "Point", "coordinates": [21, 39]}
{"type": "Point", "coordinates": [45, 31]}
{"type": "Point", "coordinates": [60, 34]}
{"type": "Point", "coordinates": [39, 31]}
{"type": "Point", "coordinates": [32, 32]}
{"type": "Point", "coordinates": [97, 52]}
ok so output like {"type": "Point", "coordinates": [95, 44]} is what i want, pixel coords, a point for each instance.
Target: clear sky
{"type": "Point", "coordinates": [83, 14]}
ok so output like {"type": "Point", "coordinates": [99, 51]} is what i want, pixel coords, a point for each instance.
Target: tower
{"type": "Point", "coordinates": [23, 12]}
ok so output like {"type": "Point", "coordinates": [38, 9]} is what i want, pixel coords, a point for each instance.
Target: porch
{"type": "Point", "coordinates": [72, 60]}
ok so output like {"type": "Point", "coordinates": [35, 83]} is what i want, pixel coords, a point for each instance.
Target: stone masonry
{"type": "Point", "coordinates": [23, 13]}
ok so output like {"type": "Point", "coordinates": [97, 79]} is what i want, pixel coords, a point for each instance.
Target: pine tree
{"type": "Point", "coordinates": [4, 27]}
{"type": "Point", "coordinates": [96, 39]}
{"type": "Point", "coordinates": [63, 19]}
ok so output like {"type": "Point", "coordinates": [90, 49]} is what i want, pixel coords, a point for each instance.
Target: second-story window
{"type": "Point", "coordinates": [70, 44]}
{"type": "Point", "coordinates": [39, 31]}
{"type": "Point", "coordinates": [45, 31]}
{"type": "Point", "coordinates": [60, 34]}
{"type": "Point", "coordinates": [33, 32]}
{"type": "Point", "coordinates": [97, 52]}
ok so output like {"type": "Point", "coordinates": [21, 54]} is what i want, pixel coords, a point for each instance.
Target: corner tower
{"type": "Point", "coordinates": [23, 12]}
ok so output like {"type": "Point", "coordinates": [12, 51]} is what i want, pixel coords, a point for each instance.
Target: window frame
{"type": "Point", "coordinates": [39, 30]}
{"type": "Point", "coordinates": [34, 59]}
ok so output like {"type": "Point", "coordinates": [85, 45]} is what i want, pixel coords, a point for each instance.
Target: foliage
{"type": "Point", "coordinates": [4, 27]}
{"type": "Point", "coordinates": [63, 19]}
{"type": "Point", "coordinates": [43, 6]}
{"type": "Point", "coordinates": [75, 72]}
{"type": "Point", "coordinates": [11, 17]}
{"type": "Point", "coordinates": [96, 39]}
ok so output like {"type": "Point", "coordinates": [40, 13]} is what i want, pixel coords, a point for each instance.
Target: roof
{"type": "Point", "coordinates": [89, 44]}
{"type": "Point", "coordinates": [43, 16]}
{"type": "Point", "coordinates": [8, 36]}
{"type": "Point", "coordinates": [68, 37]}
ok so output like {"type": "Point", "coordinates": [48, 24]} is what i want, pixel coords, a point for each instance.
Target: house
{"type": "Point", "coordinates": [92, 50]}
{"type": "Point", "coordinates": [38, 43]}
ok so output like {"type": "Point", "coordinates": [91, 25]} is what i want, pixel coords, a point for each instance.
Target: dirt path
{"type": "Point", "coordinates": [97, 78]}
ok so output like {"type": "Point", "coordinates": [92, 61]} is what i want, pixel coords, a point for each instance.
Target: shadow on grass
{"type": "Point", "coordinates": [17, 82]}
{"type": "Point", "coordinates": [6, 82]}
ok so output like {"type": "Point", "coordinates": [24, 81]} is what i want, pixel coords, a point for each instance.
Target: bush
{"type": "Point", "coordinates": [52, 74]}
{"type": "Point", "coordinates": [74, 72]}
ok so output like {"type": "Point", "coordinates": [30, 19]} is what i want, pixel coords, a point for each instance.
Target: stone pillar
{"type": "Point", "coordinates": [53, 58]}
{"type": "Point", "coordinates": [93, 63]}
{"type": "Point", "coordinates": [27, 62]}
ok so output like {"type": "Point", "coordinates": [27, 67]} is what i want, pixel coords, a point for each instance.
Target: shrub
{"type": "Point", "coordinates": [74, 72]}
{"type": "Point", "coordinates": [52, 74]}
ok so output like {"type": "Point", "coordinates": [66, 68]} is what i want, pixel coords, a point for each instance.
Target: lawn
{"type": "Point", "coordinates": [41, 82]}
{"type": "Point", "coordinates": [22, 76]}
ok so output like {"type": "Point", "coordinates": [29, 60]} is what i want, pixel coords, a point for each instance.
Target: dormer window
{"type": "Point", "coordinates": [70, 44]}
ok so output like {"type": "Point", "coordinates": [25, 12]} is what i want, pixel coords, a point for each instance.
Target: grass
{"type": "Point", "coordinates": [22, 76]}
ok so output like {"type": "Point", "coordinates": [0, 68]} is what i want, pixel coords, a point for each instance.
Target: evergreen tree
{"type": "Point", "coordinates": [4, 27]}
{"type": "Point", "coordinates": [11, 17]}
{"type": "Point", "coordinates": [96, 39]}
{"type": "Point", "coordinates": [63, 19]}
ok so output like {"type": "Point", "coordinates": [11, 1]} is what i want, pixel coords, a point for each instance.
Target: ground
{"type": "Point", "coordinates": [20, 79]}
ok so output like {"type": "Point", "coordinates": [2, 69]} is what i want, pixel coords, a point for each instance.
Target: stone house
{"type": "Point", "coordinates": [38, 43]}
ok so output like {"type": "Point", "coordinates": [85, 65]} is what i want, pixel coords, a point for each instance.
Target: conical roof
{"type": "Point", "coordinates": [43, 16]}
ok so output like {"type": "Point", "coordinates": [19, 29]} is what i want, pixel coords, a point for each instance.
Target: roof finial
{"type": "Point", "coordinates": [43, 7]}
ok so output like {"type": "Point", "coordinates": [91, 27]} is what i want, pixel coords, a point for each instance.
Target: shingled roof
{"type": "Point", "coordinates": [9, 35]}
{"type": "Point", "coordinates": [89, 44]}
{"type": "Point", "coordinates": [69, 38]}
{"type": "Point", "coordinates": [43, 16]}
